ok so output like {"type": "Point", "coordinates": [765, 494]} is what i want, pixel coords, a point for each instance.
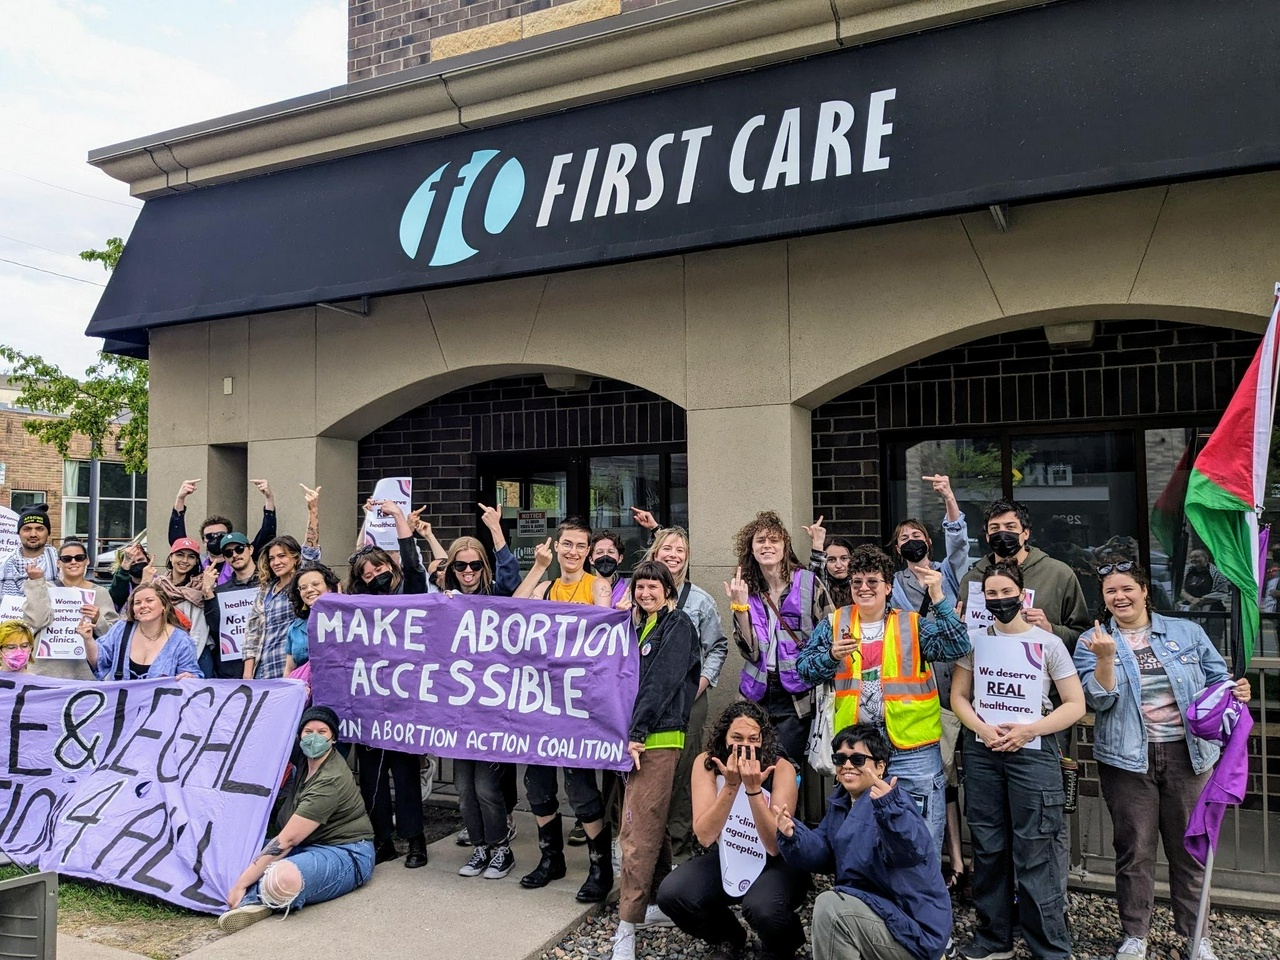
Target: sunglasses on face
{"type": "Point", "coordinates": [475, 566]}
{"type": "Point", "coordinates": [73, 558]}
{"type": "Point", "coordinates": [858, 583]}
{"type": "Point", "coordinates": [839, 759]}
{"type": "Point", "coordinates": [1108, 568]}
{"type": "Point", "coordinates": [234, 550]}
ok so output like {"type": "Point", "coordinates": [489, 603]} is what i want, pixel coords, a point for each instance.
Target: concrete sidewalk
{"type": "Point", "coordinates": [411, 913]}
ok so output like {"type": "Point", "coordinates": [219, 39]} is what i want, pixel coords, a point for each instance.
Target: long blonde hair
{"type": "Point", "coordinates": [659, 538]}
{"type": "Point", "coordinates": [455, 548]}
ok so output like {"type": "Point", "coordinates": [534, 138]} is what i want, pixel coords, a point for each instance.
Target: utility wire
{"type": "Point", "coordinates": [56, 186]}
{"type": "Point", "coordinates": [28, 243]}
{"type": "Point", "coordinates": [52, 273]}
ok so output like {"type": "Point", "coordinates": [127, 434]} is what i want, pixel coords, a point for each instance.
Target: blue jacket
{"type": "Point", "coordinates": [1192, 663]}
{"type": "Point", "coordinates": [178, 655]}
{"type": "Point", "coordinates": [881, 852]}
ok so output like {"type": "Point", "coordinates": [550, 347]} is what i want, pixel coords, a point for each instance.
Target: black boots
{"type": "Point", "coordinates": [384, 851]}
{"type": "Point", "coordinates": [417, 855]}
{"type": "Point", "coordinates": [600, 874]}
{"type": "Point", "coordinates": [551, 866]}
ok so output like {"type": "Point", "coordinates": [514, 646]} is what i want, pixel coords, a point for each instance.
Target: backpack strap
{"type": "Point", "coordinates": [684, 595]}
{"type": "Point", "coordinates": [122, 651]}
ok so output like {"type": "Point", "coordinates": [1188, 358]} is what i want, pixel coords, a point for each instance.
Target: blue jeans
{"type": "Point", "coordinates": [919, 772]}
{"type": "Point", "coordinates": [1014, 804]}
{"type": "Point", "coordinates": [327, 872]}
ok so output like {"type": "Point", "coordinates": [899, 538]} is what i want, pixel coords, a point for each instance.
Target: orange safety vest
{"type": "Point", "coordinates": [912, 712]}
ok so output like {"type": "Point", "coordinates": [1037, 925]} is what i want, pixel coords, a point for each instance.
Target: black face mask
{"type": "Point", "coordinates": [211, 541]}
{"type": "Point", "coordinates": [381, 583]}
{"type": "Point", "coordinates": [1005, 544]}
{"type": "Point", "coordinates": [137, 570]}
{"type": "Point", "coordinates": [1005, 609]}
{"type": "Point", "coordinates": [605, 566]}
{"type": "Point", "coordinates": [913, 551]}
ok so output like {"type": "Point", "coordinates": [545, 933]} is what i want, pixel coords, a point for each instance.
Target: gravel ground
{"type": "Point", "coordinates": [1095, 932]}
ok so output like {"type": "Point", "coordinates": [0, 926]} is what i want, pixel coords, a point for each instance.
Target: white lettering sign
{"type": "Point", "coordinates": [742, 853]}
{"type": "Point", "coordinates": [1008, 681]}
{"type": "Point", "coordinates": [380, 530]}
{"type": "Point", "coordinates": [8, 533]}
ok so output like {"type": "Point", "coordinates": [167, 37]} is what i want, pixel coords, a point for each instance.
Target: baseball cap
{"type": "Point", "coordinates": [184, 543]}
{"type": "Point", "coordinates": [231, 538]}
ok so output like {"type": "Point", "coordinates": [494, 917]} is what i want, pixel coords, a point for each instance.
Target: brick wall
{"type": "Point", "coordinates": [384, 36]}
{"type": "Point", "coordinates": [32, 465]}
{"type": "Point", "coordinates": [437, 443]}
{"type": "Point", "coordinates": [1134, 368]}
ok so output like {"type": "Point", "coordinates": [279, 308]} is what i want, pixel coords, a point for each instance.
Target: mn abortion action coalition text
{"type": "Point", "coordinates": [485, 678]}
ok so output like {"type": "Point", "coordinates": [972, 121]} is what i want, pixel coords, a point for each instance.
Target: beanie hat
{"type": "Point", "coordinates": [36, 513]}
{"type": "Point", "coordinates": [325, 715]}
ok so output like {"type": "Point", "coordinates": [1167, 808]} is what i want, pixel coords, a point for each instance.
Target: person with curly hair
{"type": "Point", "coordinates": [879, 659]}
{"type": "Point", "coordinates": [313, 581]}
{"type": "Point", "coordinates": [737, 780]}
{"type": "Point", "coordinates": [776, 602]}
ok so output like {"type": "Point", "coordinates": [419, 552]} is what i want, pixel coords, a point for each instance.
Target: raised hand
{"type": "Point", "coordinates": [90, 612]}
{"type": "Point", "coordinates": [85, 629]}
{"type": "Point", "coordinates": [817, 533]}
{"type": "Point", "coordinates": [843, 645]}
{"type": "Point", "coordinates": [749, 770]}
{"type": "Point", "coordinates": [491, 517]}
{"type": "Point", "coordinates": [729, 769]}
{"type": "Point", "coordinates": [879, 788]}
{"type": "Point", "coordinates": [1101, 644]}
{"type": "Point", "coordinates": [644, 518]}
{"type": "Point", "coordinates": [264, 488]}
{"type": "Point", "coordinates": [311, 496]}
{"type": "Point", "coordinates": [1037, 618]}
{"type": "Point", "coordinates": [542, 555]}
{"type": "Point", "coordinates": [736, 589]}
{"type": "Point", "coordinates": [941, 485]}
{"type": "Point", "coordinates": [187, 489]}
{"type": "Point", "coordinates": [35, 571]}
{"type": "Point", "coordinates": [786, 826]}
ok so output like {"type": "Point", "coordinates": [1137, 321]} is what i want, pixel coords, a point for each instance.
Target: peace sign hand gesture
{"type": "Point", "coordinates": [817, 534]}
{"type": "Point", "coordinates": [736, 589]}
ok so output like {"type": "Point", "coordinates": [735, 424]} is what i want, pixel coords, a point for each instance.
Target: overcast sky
{"type": "Point", "coordinates": [76, 75]}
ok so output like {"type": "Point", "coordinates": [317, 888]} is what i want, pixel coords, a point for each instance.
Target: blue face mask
{"type": "Point", "coordinates": [314, 745]}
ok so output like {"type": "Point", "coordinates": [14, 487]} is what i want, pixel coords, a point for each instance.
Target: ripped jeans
{"type": "Point", "coordinates": [328, 871]}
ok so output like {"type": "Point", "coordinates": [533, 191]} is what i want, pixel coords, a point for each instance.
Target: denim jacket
{"type": "Point", "coordinates": [1192, 663]}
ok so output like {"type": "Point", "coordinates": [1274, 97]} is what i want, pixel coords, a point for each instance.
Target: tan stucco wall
{"type": "Point", "coordinates": [747, 340]}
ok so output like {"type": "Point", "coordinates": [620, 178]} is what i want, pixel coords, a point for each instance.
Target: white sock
{"type": "Point", "coordinates": [625, 929]}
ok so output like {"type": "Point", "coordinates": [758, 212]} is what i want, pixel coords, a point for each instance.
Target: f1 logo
{"type": "Point", "coordinates": [454, 228]}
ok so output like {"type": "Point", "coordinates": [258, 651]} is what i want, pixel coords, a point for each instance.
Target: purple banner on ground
{"type": "Point", "coordinates": [478, 678]}
{"type": "Point", "coordinates": [159, 786]}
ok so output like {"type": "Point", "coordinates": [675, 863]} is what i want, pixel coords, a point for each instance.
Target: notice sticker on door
{"type": "Point", "coordinates": [531, 523]}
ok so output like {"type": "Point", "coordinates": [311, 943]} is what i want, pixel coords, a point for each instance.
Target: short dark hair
{"type": "Point", "coordinates": [998, 508]}
{"type": "Point", "coordinates": [840, 542]}
{"type": "Point", "coordinates": [868, 558]}
{"type": "Point", "coordinates": [615, 538]}
{"type": "Point", "coordinates": [573, 523]}
{"type": "Point", "coordinates": [214, 519]}
{"type": "Point", "coordinates": [1004, 568]}
{"type": "Point", "coordinates": [869, 735]}
{"type": "Point", "coordinates": [652, 570]}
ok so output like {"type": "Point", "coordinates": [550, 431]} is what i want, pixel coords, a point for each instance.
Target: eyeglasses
{"type": "Point", "coordinates": [234, 550]}
{"type": "Point", "coordinates": [460, 566]}
{"type": "Point", "coordinates": [839, 759]}
{"type": "Point", "coordinates": [73, 558]}
{"type": "Point", "coordinates": [858, 583]}
{"type": "Point", "coordinates": [1108, 568]}
{"type": "Point", "coordinates": [8, 647]}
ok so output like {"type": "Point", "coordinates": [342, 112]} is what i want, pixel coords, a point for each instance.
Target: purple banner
{"type": "Point", "coordinates": [159, 786]}
{"type": "Point", "coordinates": [478, 678]}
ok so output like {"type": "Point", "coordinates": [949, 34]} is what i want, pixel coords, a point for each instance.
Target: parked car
{"type": "Point", "coordinates": [104, 565]}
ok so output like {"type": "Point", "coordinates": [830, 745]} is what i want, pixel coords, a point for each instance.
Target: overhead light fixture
{"type": "Point", "coordinates": [1078, 333]}
{"type": "Point", "coordinates": [568, 382]}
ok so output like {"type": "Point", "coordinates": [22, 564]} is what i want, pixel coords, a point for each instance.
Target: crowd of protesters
{"type": "Point", "coordinates": [860, 663]}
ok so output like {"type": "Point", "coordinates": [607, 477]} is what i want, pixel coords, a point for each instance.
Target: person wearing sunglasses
{"type": "Point", "coordinates": [17, 647]}
{"type": "Point", "coordinates": [37, 608]}
{"type": "Point", "coordinates": [889, 901]}
{"type": "Point", "coordinates": [486, 791]}
{"type": "Point", "coordinates": [879, 659]}
{"type": "Point", "coordinates": [215, 527]}
{"type": "Point", "coordinates": [241, 574]}
{"type": "Point", "coordinates": [1141, 671]}
{"type": "Point", "coordinates": [1013, 775]}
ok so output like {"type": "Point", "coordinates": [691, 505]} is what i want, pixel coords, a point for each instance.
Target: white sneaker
{"type": "Point", "coordinates": [1206, 950]}
{"type": "Point", "coordinates": [237, 918]}
{"type": "Point", "coordinates": [654, 917]}
{"type": "Point", "coordinates": [1134, 948]}
{"type": "Point", "coordinates": [624, 946]}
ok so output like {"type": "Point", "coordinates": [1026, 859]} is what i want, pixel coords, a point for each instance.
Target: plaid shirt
{"type": "Point", "coordinates": [266, 637]}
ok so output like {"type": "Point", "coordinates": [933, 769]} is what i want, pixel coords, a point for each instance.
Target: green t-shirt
{"type": "Point", "coordinates": [330, 798]}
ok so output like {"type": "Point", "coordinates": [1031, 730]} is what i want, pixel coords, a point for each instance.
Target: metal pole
{"type": "Point", "coordinates": [1202, 915]}
{"type": "Point", "coordinates": [95, 470]}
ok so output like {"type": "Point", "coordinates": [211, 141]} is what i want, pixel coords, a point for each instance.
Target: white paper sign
{"type": "Point", "coordinates": [234, 607]}
{"type": "Point", "coordinates": [1008, 681]}
{"type": "Point", "coordinates": [8, 533]}
{"type": "Point", "coordinates": [11, 607]}
{"type": "Point", "coordinates": [742, 853]}
{"type": "Point", "coordinates": [59, 640]}
{"type": "Point", "coordinates": [381, 531]}
{"type": "Point", "coordinates": [975, 607]}
{"type": "Point", "coordinates": [531, 523]}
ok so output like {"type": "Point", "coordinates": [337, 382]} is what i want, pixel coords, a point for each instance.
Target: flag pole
{"type": "Point", "coordinates": [1202, 915]}
{"type": "Point", "coordinates": [1235, 630]}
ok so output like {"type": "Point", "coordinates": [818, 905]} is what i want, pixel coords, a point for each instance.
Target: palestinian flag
{"type": "Point", "coordinates": [1227, 483]}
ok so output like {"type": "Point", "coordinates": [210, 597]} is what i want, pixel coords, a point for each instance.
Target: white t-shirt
{"type": "Point", "coordinates": [1057, 662]}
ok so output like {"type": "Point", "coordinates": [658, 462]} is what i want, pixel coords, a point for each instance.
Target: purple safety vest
{"type": "Point", "coordinates": [797, 611]}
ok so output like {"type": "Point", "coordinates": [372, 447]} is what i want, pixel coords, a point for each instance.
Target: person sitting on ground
{"type": "Point", "coordinates": [17, 648]}
{"type": "Point", "coordinates": [889, 901]}
{"type": "Point", "coordinates": [323, 846]}
{"type": "Point", "coordinates": [735, 779]}
{"type": "Point", "coordinates": [669, 672]}
{"type": "Point", "coordinates": [147, 644]}
{"type": "Point", "coordinates": [37, 608]}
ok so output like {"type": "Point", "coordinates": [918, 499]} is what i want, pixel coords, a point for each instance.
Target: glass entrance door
{"type": "Point", "coordinates": [534, 499]}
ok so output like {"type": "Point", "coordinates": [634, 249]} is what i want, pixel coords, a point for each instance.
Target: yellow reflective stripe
{"type": "Point", "coordinates": [666, 740]}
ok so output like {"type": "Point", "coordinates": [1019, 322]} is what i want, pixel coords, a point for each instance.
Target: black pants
{"type": "Point", "coordinates": [480, 797]}
{"type": "Point", "coordinates": [793, 736]}
{"type": "Point", "coordinates": [378, 768]}
{"type": "Point", "coordinates": [580, 785]}
{"type": "Point", "coordinates": [693, 896]}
